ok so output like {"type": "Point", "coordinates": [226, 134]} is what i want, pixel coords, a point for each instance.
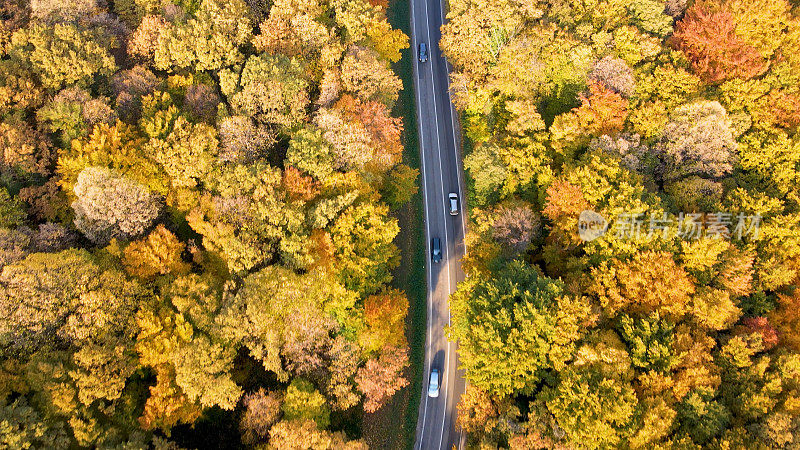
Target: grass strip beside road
{"type": "Point", "coordinates": [394, 425]}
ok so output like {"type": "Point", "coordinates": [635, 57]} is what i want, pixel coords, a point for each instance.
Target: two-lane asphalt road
{"type": "Point", "coordinates": [441, 175]}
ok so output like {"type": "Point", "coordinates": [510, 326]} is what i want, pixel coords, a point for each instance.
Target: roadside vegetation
{"type": "Point", "coordinates": [394, 425]}
{"type": "Point", "coordinates": [671, 128]}
{"type": "Point", "coordinates": [198, 221]}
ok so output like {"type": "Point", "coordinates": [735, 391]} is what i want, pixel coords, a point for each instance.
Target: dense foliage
{"type": "Point", "coordinates": [195, 221]}
{"type": "Point", "coordinates": [646, 336]}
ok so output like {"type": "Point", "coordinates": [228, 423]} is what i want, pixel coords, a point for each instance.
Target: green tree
{"type": "Point", "coordinates": [311, 153]}
{"type": "Point", "coordinates": [202, 370]}
{"type": "Point", "coordinates": [187, 153]}
{"type": "Point", "coordinates": [514, 326]}
{"type": "Point", "coordinates": [270, 89]}
{"type": "Point", "coordinates": [592, 410]}
{"type": "Point", "coordinates": [208, 41]}
{"type": "Point", "coordinates": [21, 426]}
{"type": "Point", "coordinates": [650, 16]}
{"type": "Point", "coordinates": [657, 93]}
{"type": "Point", "coordinates": [345, 360]}
{"type": "Point", "coordinates": [12, 210]}
{"type": "Point", "coordinates": [400, 185]}
{"type": "Point", "coordinates": [365, 255]}
{"type": "Point", "coordinates": [303, 402]}
{"type": "Point", "coordinates": [245, 215]}
{"type": "Point", "coordinates": [649, 341]}
{"type": "Point", "coordinates": [769, 162]}
{"type": "Point", "coordinates": [62, 54]}
{"type": "Point", "coordinates": [66, 300]}
{"type": "Point", "coordinates": [487, 173]}
{"type": "Point", "coordinates": [73, 112]}
{"type": "Point", "coordinates": [702, 417]}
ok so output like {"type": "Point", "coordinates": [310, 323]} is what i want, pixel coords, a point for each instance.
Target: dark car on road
{"type": "Point", "coordinates": [423, 52]}
{"type": "Point", "coordinates": [436, 250]}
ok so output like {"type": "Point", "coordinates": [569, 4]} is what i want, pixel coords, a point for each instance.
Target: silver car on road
{"type": "Point", "coordinates": [433, 384]}
{"type": "Point", "coordinates": [453, 203]}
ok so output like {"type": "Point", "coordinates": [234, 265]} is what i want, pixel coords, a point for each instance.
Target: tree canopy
{"type": "Point", "coordinates": [195, 222]}
{"type": "Point", "coordinates": [617, 154]}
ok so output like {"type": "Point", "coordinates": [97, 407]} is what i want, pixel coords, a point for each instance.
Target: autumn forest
{"type": "Point", "coordinates": [197, 222]}
{"type": "Point", "coordinates": [198, 216]}
{"type": "Point", "coordinates": [674, 322]}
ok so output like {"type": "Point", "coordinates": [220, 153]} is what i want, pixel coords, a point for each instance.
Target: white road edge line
{"type": "Point", "coordinates": [460, 183]}
{"type": "Point", "coordinates": [455, 147]}
{"type": "Point", "coordinates": [427, 223]}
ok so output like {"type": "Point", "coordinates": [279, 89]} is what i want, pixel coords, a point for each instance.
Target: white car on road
{"type": "Point", "coordinates": [433, 385]}
{"type": "Point", "coordinates": [453, 203]}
